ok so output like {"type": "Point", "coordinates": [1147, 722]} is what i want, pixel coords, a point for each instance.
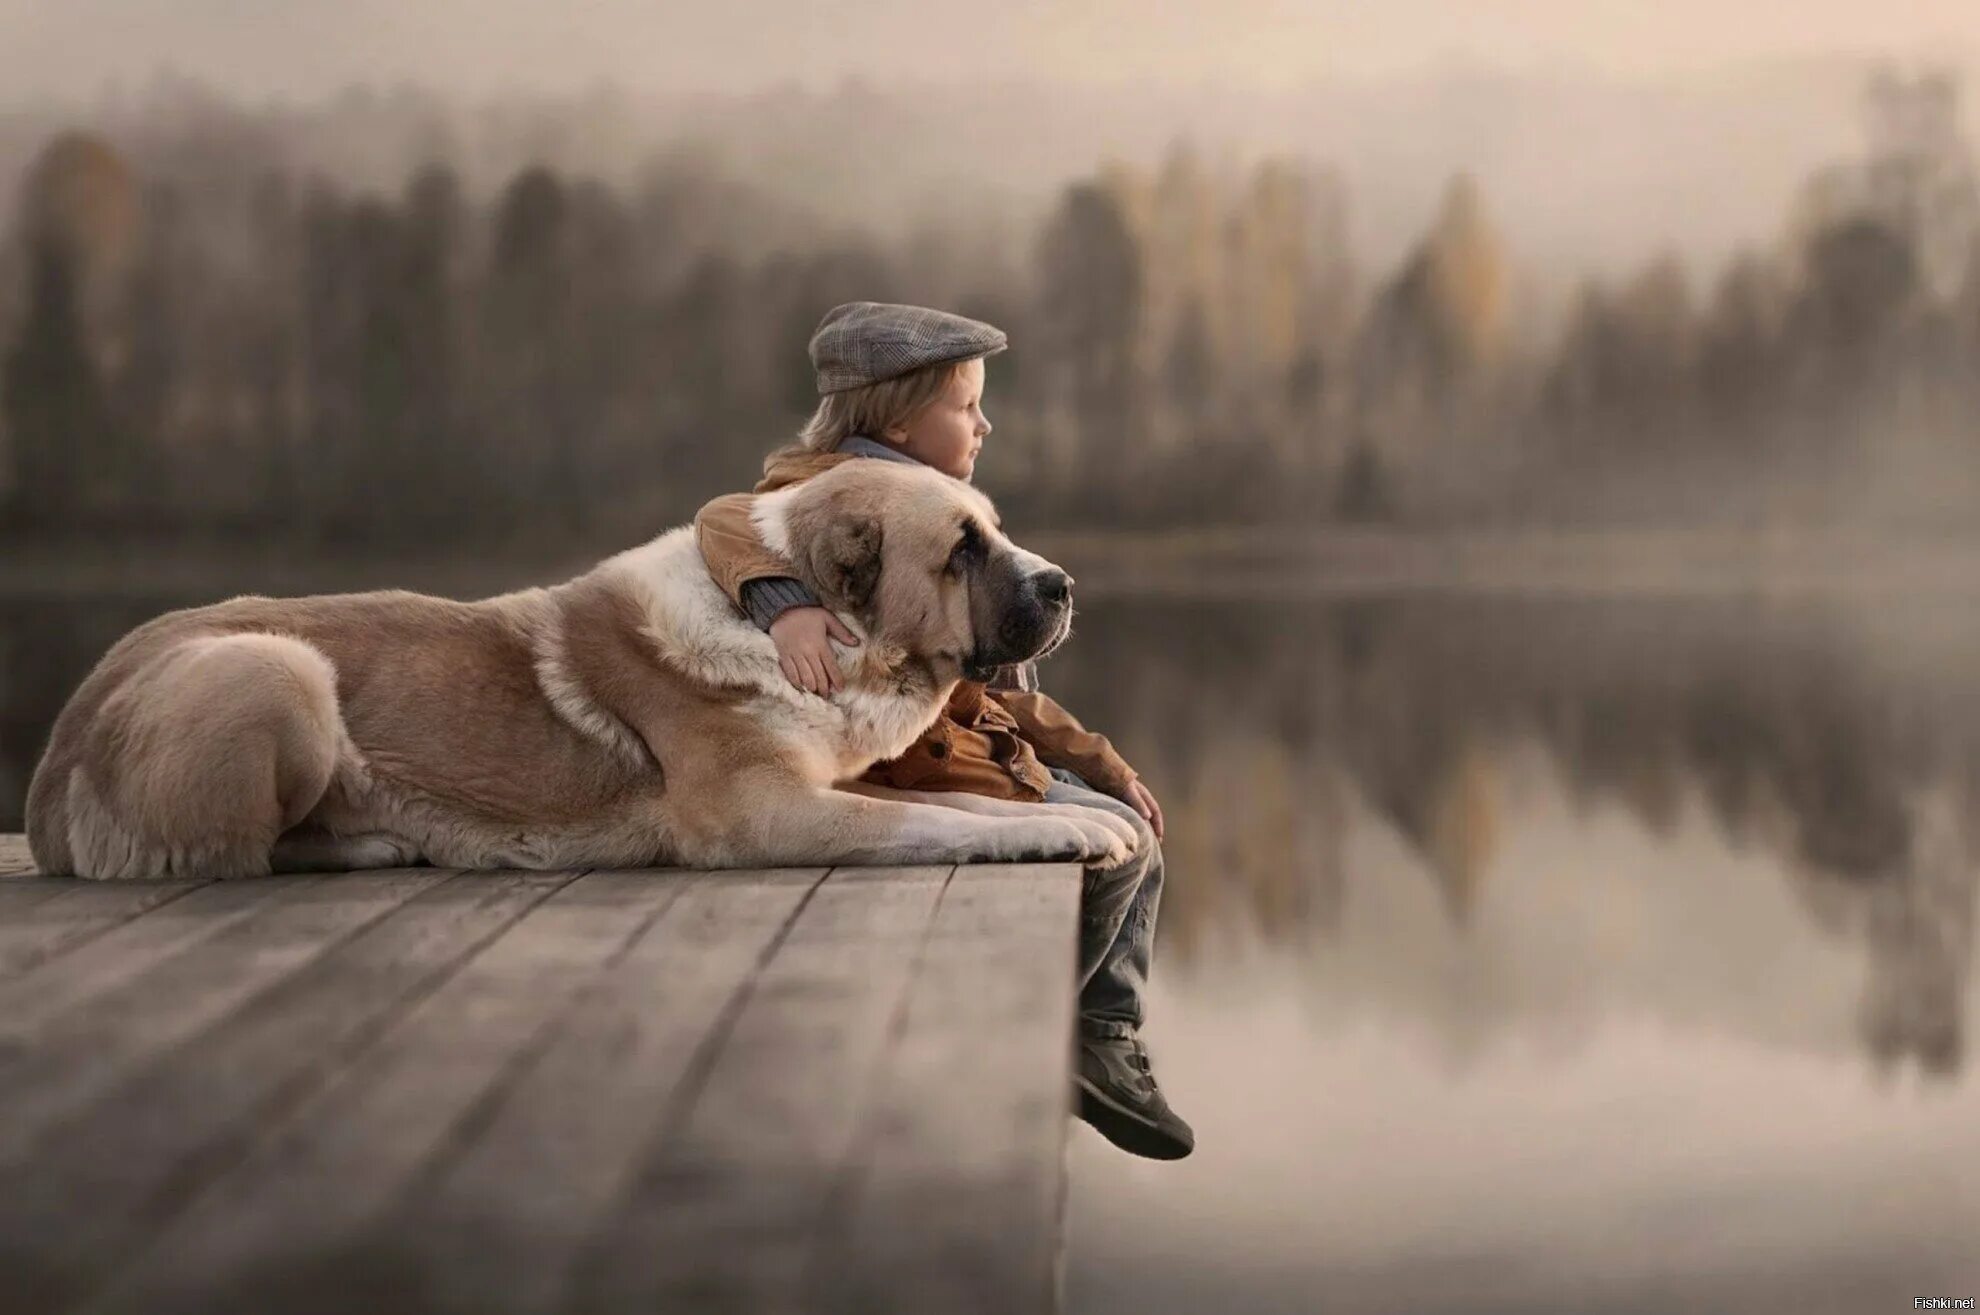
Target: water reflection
{"type": "Point", "coordinates": [1837, 746]}
{"type": "Point", "coordinates": [1548, 956]}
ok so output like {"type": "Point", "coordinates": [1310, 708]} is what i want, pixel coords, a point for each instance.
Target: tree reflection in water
{"type": "Point", "coordinates": [1839, 741]}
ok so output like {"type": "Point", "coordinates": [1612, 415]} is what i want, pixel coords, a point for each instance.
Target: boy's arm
{"type": "Point", "coordinates": [756, 579]}
{"type": "Point", "coordinates": [1062, 742]}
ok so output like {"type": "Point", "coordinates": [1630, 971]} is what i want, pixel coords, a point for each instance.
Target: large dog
{"type": "Point", "coordinates": [629, 717]}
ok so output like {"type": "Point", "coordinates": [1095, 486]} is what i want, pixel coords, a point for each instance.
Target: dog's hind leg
{"type": "Point", "coordinates": [203, 758]}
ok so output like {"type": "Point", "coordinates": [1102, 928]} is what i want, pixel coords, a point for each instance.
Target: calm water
{"type": "Point", "coordinates": [1519, 956]}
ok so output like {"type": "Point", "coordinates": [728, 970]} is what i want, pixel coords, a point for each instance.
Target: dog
{"type": "Point", "coordinates": [630, 717]}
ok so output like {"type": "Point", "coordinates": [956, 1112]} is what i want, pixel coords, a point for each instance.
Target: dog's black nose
{"type": "Point", "coordinates": [1053, 585]}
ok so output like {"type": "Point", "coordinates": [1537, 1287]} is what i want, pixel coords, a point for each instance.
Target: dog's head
{"type": "Point", "coordinates": [920, 560]}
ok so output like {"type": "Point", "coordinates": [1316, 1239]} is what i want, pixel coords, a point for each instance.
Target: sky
{"type": "Point", "coordinates": [305, 48]}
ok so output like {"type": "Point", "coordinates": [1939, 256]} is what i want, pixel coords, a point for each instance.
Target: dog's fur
{"type": "Point", "coordinates": [629, 717]}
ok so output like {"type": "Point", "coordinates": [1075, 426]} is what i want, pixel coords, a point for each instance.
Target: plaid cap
{"type": "Point", "coordinates": [864, 342]}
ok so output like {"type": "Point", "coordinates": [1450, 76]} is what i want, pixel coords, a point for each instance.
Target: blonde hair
{"type": "Point", "coordinates": [872, 409]}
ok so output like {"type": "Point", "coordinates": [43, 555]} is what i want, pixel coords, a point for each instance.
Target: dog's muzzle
{"type": "Point", "coordinates": [1038, 621]}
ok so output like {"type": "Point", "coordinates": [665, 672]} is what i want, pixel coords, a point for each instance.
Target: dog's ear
{"type": "Point", "coordinates": [845, 557]}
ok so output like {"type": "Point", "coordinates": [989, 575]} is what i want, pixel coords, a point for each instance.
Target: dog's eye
{"type": "Point", "coordinates": [967, 545]}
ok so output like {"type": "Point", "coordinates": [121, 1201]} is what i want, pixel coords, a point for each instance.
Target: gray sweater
{"type": "Point", "coordinates": [769, 598]}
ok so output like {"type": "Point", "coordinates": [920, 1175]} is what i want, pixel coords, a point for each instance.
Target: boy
{"type": "Point", "coordinates": [905, 383]}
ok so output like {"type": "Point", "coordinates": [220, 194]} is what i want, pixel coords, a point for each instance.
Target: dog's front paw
{"type": "Point", "coordinates": [1075, 836]}
{"type": "Point", "coordinates": [1044, 839]}
{"type": "Point", "coordinates": [1123, 841]}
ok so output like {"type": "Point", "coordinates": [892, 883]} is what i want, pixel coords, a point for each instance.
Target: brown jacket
{"type": "Point", "coordinates": [994, 742]}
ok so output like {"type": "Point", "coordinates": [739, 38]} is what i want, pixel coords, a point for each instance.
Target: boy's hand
{"type": "Point", "coordinates": [803, 636]}
{"type": "Point", "coordinates": [1144, 803]}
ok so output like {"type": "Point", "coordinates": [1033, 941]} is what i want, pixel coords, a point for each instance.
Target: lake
{"type": "Point", "coordinates": [1548, 956]}
{"type": "Point", "coordinates": [1519, 954]}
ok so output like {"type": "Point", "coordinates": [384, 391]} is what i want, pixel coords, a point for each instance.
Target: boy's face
{"type": "Point", "coordinates": [948, 432]}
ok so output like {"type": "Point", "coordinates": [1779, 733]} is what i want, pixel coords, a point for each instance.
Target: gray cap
{"type": "Point", "coordinates": [864, 342]}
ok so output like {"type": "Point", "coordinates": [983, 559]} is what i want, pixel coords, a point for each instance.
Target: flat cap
{"type": "Point", "coordinates": [864, 342]}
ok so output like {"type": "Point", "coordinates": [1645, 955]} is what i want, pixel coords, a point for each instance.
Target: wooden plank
{"type": "Point", "coordinates": [49, 1070]}
{"type": "Point", "coordinates": [276, 1232]}
{"type": "Point", "coordinates": [20, 892]}
{"type": "Point", "coordinates": [951, 1198]}
{"type": "Point", "coordinates": [651, 1091]}
{"type": "Point", "coordinates": [101, 1180]}
{"type": "Point", "coordinates": [21, 885]}
{"type": "Point", "coordinates": [501, 1223]}
{"type": "Point", "coordinates": [721, 1215]}
{"type": "Point", "coordinates": [14, 855]}
{"type": "Point", "coordinates": [32, 1000]}
{"type": "Point", "coordinates": [74, 914]}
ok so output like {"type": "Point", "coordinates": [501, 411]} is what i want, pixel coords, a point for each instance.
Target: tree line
{"type": "Point", "coordinates": [209, 342]}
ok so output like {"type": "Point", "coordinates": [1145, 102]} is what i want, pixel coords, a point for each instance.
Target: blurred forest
{"type": "Point", "coordinates": [198, 335]}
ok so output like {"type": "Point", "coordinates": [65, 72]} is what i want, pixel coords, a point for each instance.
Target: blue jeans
{"type": "Point", "coordinates": [1117, 908]}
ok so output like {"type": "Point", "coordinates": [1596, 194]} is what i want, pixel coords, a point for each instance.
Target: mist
{"type": "Point", "coordinates": [351, 308]}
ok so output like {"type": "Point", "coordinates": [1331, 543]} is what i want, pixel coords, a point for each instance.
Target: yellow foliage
{"type": "Point", "coordinates": [1469, 281]}
{"type": "Point", "coordinates": [80, 197]}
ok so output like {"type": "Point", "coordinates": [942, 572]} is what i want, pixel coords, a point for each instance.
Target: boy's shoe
{"type": "Point", "coordinates": [1118, 1096]}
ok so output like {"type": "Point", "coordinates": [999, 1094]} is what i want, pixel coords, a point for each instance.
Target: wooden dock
{"type": "Point", "coordinates": [423, 1090]}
